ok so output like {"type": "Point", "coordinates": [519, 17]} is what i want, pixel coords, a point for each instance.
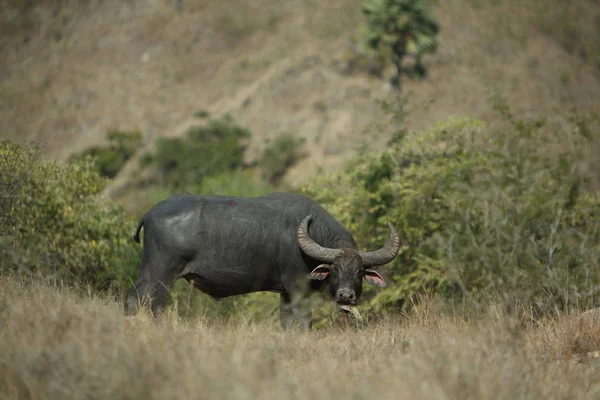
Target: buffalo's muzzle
{"type": "Point", "coordinates": [345, 296]}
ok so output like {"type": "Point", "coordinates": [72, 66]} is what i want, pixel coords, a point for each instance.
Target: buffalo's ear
{"type": "Point", "coordinates": [372, 277]}
{"type": "Point", "coordinates": [319, 273]}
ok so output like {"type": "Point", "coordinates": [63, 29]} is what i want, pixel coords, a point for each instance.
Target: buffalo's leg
{"type": "Point", "coordinates": [154, 284]}
{"type": "Point", "coordinates": [304, 311]}
{"type": "Point", "coordinates": [155, 293]}
{"type": "Point", "coordinates": [295, 308]}
{"type": "Point", "coordinates": [134, 296]}
{"type": "Point", "coordinates": [286, 312]}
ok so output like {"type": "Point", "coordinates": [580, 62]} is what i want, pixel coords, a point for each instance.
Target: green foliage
{"type": "Point", "coordinates": [201, 114]}
{"type": "Point", "coordinates": [203, 151]}
{"type": "Point", "coordinates": [479, 213]}
{"type": "Point", "coordinates": [110, 159]}
{"type": "Point", "coordinates": [279, 156]}
{"type": "Point", "coordinates": [54, 223]}
{"type": "Point", "coordinates": [400, 28]}
{"type": "Point", "coordinates": [243, 183]}
{"type": "Point", "coordinates": [235, 183]}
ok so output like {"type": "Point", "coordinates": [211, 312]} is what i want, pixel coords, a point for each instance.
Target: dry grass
{"type": "Point", "coordinates": [58, 345]}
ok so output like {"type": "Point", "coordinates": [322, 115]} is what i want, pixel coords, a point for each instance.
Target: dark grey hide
{"type": "Point", "coordinates": [227, 246]}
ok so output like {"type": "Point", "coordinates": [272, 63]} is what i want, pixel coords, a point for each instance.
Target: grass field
{"type": "Point", "coordinates": [56, 344]}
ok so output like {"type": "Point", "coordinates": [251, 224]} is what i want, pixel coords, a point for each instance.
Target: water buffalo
{"type": "Point", "coordinates": [228, 246]}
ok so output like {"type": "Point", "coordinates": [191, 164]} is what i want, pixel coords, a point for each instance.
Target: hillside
{"type": "Point", "coordinates": [71, 69]}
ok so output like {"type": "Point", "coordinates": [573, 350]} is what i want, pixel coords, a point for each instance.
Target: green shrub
{"type": "Point", "coordinates": [479, 213]}
{"type": "Point", "coordinates": [398, 29]}
{"type": "Point", "coordinates": [279, 156]}
{"type": "Point", "coordinates": [201, 114]}
{"type": "Point", "coordinates": [204, 150]}
{"type": "Point", "coordinates": [110, 159]}
{"type": "Point", "coordinates": [235, 183]}
{"type": "Point", "coordinates": [242, 183]}
{"type": "Point", "coordinates": [54, 223]}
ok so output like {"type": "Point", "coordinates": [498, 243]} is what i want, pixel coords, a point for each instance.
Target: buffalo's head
{"type": "Point", "coordinates": [345, 269]}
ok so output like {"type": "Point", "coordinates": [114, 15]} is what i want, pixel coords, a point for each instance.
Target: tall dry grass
{"type": "Point", "coordinates": [55, 344]}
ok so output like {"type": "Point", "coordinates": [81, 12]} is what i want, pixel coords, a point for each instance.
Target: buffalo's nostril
{"type": "Point", "coordinates": [346, 295]}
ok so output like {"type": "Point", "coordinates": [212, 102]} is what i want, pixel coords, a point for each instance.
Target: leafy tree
{"type": "Point", "coordinates": [403, 28]}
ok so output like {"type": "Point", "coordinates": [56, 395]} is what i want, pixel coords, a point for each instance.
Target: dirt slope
{"type": "Point", "coordinates": [71, 70]}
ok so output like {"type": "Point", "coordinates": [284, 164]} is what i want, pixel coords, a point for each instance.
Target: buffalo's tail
{"type": "Point", "coordinates": [136, 237]}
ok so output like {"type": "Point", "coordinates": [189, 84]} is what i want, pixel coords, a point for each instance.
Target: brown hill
{"type": "Point", "coordinates": [71, 69]}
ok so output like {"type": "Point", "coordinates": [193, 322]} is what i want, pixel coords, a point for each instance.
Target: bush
{"type": "Point", "coordinates": [279, 156]}
{"type": "Point", "coordinates": [201, 114]}
{"type": "Point", "coordinates": [479, 213]}
{"type": "Point", "coordinates": [54, 223]}
{"type": "Point", "coordinates": [236, 183]}
{"type": "Point", "coordinates": [203, 151]}
{"type": "Point", "coordinates": [242, 183]}
{"type": "Point", "coordinates": [110, 159]}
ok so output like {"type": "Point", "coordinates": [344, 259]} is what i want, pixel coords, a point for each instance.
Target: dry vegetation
{"type": "Point", "coordinates": [58, 344]}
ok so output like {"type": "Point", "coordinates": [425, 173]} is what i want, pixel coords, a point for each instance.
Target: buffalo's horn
{"type": "Point", "coordinates": [312, 248]}
{"type": "Point", "coordinates": [385, 254]}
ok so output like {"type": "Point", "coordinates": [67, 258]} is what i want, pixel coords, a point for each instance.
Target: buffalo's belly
{"type": "Point", "coordinates": [223, 281]}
